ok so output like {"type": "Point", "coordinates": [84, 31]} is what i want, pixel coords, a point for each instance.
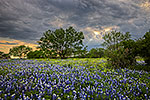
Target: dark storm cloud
{"type": "Point", "coordinates": [28, 19]}
{"type": "Point", "coordinates": [107, 12]}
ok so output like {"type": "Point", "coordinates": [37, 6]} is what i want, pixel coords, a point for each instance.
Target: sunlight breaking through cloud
{"type": "Point", "coordinates": [146, 5]}
{"type": "Point", "coordinates": [5, 45]}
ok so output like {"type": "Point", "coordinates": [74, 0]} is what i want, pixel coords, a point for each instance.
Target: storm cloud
{"type": "Point", "coordinates": [27, 19]}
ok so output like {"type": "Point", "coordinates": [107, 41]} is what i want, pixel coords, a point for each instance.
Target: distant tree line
{"type": "Point", "coordinates": [120, 49]}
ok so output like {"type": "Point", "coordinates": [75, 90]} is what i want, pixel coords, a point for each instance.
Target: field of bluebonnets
{"type": "Point", "coordinates": [70, 79]}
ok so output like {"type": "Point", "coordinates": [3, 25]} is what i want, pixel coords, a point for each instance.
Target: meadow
{"type": "Point", "coordinates": [70, 79]}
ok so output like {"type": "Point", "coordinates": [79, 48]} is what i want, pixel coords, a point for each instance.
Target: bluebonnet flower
{"type": "Point", "coordinates": [13, 96]}
{"type": "Point", "coordinates": [78, 80]}
{"type": "Point", "coordinates": [75, 97]}
{"type": "Point", "coordinates": [54, 96]}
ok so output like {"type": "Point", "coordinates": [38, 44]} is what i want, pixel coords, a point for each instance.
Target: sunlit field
{"type": "Point", "coordinates": [70, 79]}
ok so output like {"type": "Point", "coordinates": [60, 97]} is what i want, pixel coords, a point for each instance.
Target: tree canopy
{"type": "Point", "coordinates": [113, 38]}
{"type": "Point", "coordinates": [62, 42]}
{"type": "Point", "coordinates": [19, 51]}
{"type": "Point", "coordinates": [96, 53]}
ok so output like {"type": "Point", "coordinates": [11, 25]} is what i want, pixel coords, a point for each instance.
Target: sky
{"type": "Point", "coordinates": [23, 22]}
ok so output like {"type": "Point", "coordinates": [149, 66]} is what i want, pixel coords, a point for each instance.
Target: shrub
{"type": "Point", "coordinates": [120, 49]}
{"type": "Point", "coordinates": [121, 58]}
{"type": "Point", "coordinates": [143, 47]}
